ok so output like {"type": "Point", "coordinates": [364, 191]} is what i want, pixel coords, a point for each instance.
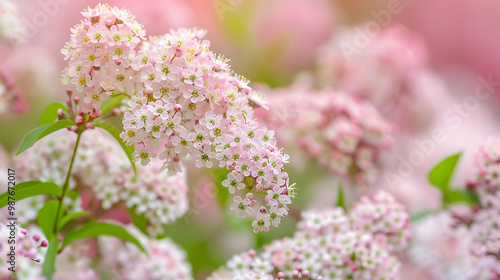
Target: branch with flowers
{"type": "Point", "coordinates": [180, 100]}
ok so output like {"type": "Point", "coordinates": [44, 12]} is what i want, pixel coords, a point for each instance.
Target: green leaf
{"type": "Point", "coordinates": [38, 133]}
{"type": "Point", "coordinates": [110, 103]}
{"type": "Point", "coordinates": [340, 198]}
{"type": "Point", "coordinates": [471, 196]}
{"type": "Point", "coordinates": [70, 217]}
{"type": "Point", "coordinates": [129, 150]}
{"type": "Point", "coordinates": [94, 229]}
{"type": "Point", "coordinates": [455, 196]}
{"type": "Point", "coordinates": [440, 176]}
{"type": "Point", "coordinates": [72, 194]}
{"type": "Point", "coordinates": [31, 188]}
{"type": "Point", "coordinates": [50, 258]}
{"type": "Point", "coordinates": [49, 115]}
{"type": "Point", "coordinates": [46, 217]}
{"type": "Point", "coordinates": [460, 196]}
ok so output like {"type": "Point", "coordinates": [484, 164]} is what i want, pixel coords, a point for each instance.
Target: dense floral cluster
{"type": "Point", "coordinates": [11, 99]}
{"type": "Point", "coordinates": [29, 255]}
{"type": "Point", "coordinates": [485, 243]}
{"type": "Point", "coordinates": [185, 102]}
{"type": "Point", "coordinates": [125, 261]}
{"type": "Point", "coordinates": [342, 133]}
{"type": "Point", "coordinates": [485, 219]}
{"type": "Point", "coordinates": [10, 24]}
{"type": "Point", "coordinates": [389, 69]}
{"type": "Point", "coordinates": [191, 105]}
{"type": "Point", "coordinates": [102, 169]}
{"type": "Point", "coordinates": [487, 163]}
{"type": "Point", "coordinates": [113, 258]}
{"type": "Point", "coordinates": [382, 215]}
{"type": "Point", "coordinates": [333, 245]}
{"type": "Point", "coordinates": [99, 54]}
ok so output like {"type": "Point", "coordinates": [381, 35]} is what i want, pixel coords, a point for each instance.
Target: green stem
{"type": "Point", "coordinates": [121, 93]}
{"type": "Point", "coordinates": [66, 183]}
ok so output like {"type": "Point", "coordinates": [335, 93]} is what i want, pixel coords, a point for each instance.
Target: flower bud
{"type": "Point", "coordinates": [95, 113]}
{"type": "Point", "coordinates": [116, 112]}
{"type": "Point", "coordinates": [60, 113]}
{"type": "Point", "coordinates": [36, 237]}
{"type": "Point", "coordinates": [79, 120]}
{"type": "Point", "coordinates": [44, 243]}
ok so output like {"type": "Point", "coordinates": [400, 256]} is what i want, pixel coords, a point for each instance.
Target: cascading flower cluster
{"type": "Point", "coordinates": [333, 245]}
{"type": "Point", "coordinates": [11, 99]}
{"type": "Point", "coordinates": [99, 54]}
{"type": "Point", "coordinates": [102, 169]}
{"type": "Point", "coordinates": [184, 102]}
{"type": "Point", "coordinates": [29, 255]}
{"type": "Point", "coordinates": [389, 69]}
{"type": "Point", "coordinates": [10, 25]}
{"type": "Point", "coordinates": [342, 133]}
{"type": "Point", "coordinates": [191, 105]}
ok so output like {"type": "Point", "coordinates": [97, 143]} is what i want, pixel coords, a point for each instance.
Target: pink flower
{"type": "Point", "coordinates": [242, 206]}
{"type": "Point", "coordinates": [261, 223]}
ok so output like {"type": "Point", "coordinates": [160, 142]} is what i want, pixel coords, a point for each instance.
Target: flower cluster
{"type": "Point", "coordinates": [103, 170]}
{"type": "Point", "coordinates": [99, 54]}
{"type": "Point", "coordinates": [112, 258]}
{"type": "Point", "coordinates": [389, 70]}
{"type": "Point", "coordinates": [485, 243]}
{"type": "Point", "coordinates": [342, 133]}
{"type": "Point", "coordinates": [332, 245]}
{"type": "Point", "coordinates": [10, 25]}
{"type": "Point", "coordinates": [29, 254]}
{"type": "Point", "coordinates": [484, 219]}
{"type": "Point", "coordinates": [190, 105]}
{"type": "Point", "coordinates": [125, 261]}
{"type": "Point", "coordinates": [487, 163]}
{"type": "Point", "coordinates": [382, 215]}
{"type": "Point", "coordinates": [11, 99]}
